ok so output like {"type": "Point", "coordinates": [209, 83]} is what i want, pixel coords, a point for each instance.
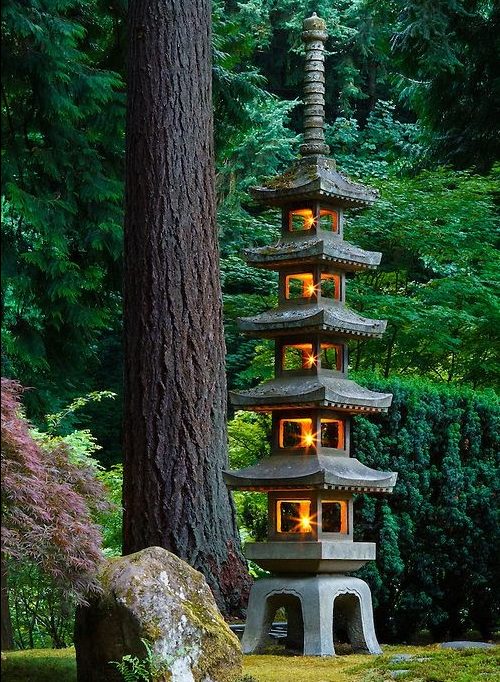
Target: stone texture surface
{"type": "Point", "coordinates": [316, 248]}
{"type": "Point", "coordinates": [331, 317]}
{"type": "Point", "coordinates": [322, 471]}
{"type": "Point", "coordinates": [321, 389]}
{"type": "Point", "coordinates": [466, 645]}
{"type": "Point", "coordinates": [313, 604]}
{"type": "Point", "coordinates": [156, 596]}
{"type": "Point", "coordinates": [314, 177]}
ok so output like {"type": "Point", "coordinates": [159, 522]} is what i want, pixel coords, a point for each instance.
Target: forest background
{"type": "Point", "coordinates": [412, 109]}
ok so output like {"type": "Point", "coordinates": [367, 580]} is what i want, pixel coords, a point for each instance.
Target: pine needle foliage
{"type": "Point", "coordinates": [62, 130]}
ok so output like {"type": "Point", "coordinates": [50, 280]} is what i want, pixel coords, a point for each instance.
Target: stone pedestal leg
{"type": "Point", "coordinates": [317, 606]}
{"type": "Point", "coordinates": [360, 626]}
{"type": "Point", "coordinates": [259, 618]}
{"type": "Point", "coordinates": [318, 597]}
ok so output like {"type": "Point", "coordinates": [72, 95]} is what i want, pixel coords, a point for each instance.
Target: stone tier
{"type": "Point", "coordinates": [311, 557]}
{"type": "Point", "coordinates": [311, 250]}
{"type": "Point", "coordinates": [311, 318]}
{"type": "Point", "coordinates": [314, 178]}
{"type": "Point", "coordinates": [315, 471]}
{"type": "Point", "coordinates": [319, 390]}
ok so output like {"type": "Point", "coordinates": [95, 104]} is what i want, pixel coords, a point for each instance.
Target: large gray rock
{"type": "Point", "coordinates": [155, 596]}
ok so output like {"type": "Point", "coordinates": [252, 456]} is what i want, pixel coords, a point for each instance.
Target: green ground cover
{"type": "Point", "coordinates": [44, 665]}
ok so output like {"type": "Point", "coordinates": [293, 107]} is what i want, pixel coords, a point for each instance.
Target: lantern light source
{"type": "Point", "coordinates": [298, 356]}
{"type": "Point", "coordinates": [300, 286]}
{"type": "Point", "coordinates": [296, 433]}
{"type": "Point", "coordinates": [293, 516]}
{"type": "Point", "coordinates": [301, 219]}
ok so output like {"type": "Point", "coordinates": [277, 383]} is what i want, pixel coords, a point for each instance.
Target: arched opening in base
{"type": "Point", "coordinates": [289, 631]}
{"type": "Point", "coordinates": [348, 633]}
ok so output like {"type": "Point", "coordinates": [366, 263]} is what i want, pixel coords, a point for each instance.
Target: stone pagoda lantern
{"type": "Point", "coordinates": [310, 477]}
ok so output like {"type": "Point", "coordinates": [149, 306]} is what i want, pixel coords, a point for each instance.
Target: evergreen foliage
{"type": "Point", "coordinates": [62, 131]}
{"type": "Point", "coordinates": [448, 53]}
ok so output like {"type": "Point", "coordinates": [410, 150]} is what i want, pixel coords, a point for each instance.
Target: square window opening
{"type": "Point", "coordinates": [332, 434]}
{"type": "Point", "coordinates": [330, 286]}
{"type": "Point", "coordinates": [293, 516]}
{"type": "Point", "coordinates": [329, 220]}
{"type": "Point", "coordinates": [296, 433]}
{"type": "Point", "coordinates": [331, 356]}
{"type": "Point", "coordinates": [300, 286]}
{"type": "Point", "coordinates": [298, 356]}
{"type": "Point", "coordinates": [334, 517]}
{"type": "Point", "coordinates": [300, 220]}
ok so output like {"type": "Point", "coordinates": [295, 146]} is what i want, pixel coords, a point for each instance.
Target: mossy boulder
{"type": "Point", "coordinates": [155, 596]}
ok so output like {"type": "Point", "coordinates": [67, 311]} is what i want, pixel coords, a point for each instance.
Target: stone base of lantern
{"type": "Point", "coordinates": [318, 607]}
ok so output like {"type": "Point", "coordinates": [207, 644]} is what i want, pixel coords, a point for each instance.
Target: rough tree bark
{"type": "Point", "coordinates": [175, 393]}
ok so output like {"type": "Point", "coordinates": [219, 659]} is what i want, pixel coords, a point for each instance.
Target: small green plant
{"type": "Point", "coordinates": [151, 668]}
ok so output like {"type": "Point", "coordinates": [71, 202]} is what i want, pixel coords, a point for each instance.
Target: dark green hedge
{"type": "Point", "coordinates": [437, 534]}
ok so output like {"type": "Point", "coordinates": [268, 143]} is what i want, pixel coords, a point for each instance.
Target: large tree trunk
{"type": "Point", "coordinates": [175, 393]}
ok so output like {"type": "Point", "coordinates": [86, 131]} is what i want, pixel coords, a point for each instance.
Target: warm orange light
{"type": "Point", "coordinates": [335, 516]}
{"type": "Point", "coordinates": [305, 524]}
{"type": "Point", "coordinates": [329, 220]}
{"type": "Point", "coordinates": [325, 423]}
{"type": "Point", "coordinates": [326, 352]}
{"type": "Point", "coordinates": [308, 439]}
{"type": "Point", "coordinates": [293, 516]}
{"type": "Point", "coordinates": [310, 360]}
{"type": "Point", "coordinates": [303, 280]}
{"type": "Point", "coordinates": [296, 433]}
{"type": "Point", "coordinates": [301, 219]}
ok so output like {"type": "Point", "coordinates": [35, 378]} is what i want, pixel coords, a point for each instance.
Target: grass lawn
{"type": "Point", "coordinates": [47, 665]}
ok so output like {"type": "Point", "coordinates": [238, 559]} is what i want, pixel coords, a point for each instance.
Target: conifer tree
{"type": "Point", "coordinates": [175, 392]}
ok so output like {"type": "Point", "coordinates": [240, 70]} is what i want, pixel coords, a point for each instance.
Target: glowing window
{"type": "Point", "coordinates": [299, 286]}
{"type": "Point", "coordinates": [293, 516]}
{"type": "Point", "coordinates": [296, 433]}
{"type": "Point", "coordinates": [332, 433]}
{"type": "Point", "coordinates": [334, 517]}
{"type": "Point", "coordinates": [300, 220]}
{"type": "Point", "coordinates": [331, 356]}
{"type": "Point", "coordinates": [329, 220]}
{"type": "Point", "coordinates": [298, 356]}
{"type": "Point", "coordinates": [330, 286]}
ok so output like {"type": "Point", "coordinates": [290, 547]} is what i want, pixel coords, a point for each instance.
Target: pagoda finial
{"type": "Point", "coordinates": [314, 36]}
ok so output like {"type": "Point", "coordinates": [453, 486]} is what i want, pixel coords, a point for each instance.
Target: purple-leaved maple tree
{"type": "Point", "coordinates": [47, 507]}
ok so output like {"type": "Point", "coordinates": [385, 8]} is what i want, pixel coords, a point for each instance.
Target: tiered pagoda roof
{"type": "Point", "coordinates": [319, 390]}
{"type": "Point", "coordinates": [312, 188]}
{"type": "Point", "coordinates": [314, 317]}
{"type": "Point", "coordinates": [312, 250]}
{"type": "Point", "coordinates": [313, 470]}
{"type": "Point", "coordinates": [314, 177]}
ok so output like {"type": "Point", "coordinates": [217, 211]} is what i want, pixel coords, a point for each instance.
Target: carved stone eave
{"type": "Point", "coordinates": [314, 471]}
{"type": "Point", "coordinates": [313, 249]}
{"type": "Point", "coordinates": [314, 178]}
{"type": "Point", "coordinates": [289, 319]}
{"type": "Point", "coordinates": [312, 391]}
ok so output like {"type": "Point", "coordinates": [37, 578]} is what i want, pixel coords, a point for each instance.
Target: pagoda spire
{"type": "Point", "coordinates": [314, 36]}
